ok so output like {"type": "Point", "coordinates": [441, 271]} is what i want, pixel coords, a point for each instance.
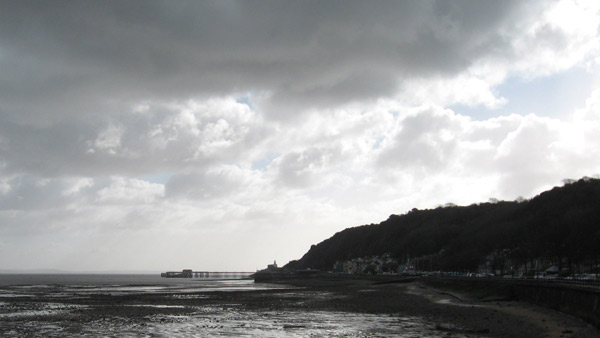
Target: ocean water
{"type": "Point", "coordinates": [93, 279]}
{"type": "Point", "coordinates": [151, 306]}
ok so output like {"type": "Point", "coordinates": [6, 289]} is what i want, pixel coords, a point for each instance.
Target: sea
{"type": "Point", "coordinates": [69, 305]}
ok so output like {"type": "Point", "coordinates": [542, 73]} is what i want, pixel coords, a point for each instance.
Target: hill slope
{"type": "Point", "coordinates": [561, 225]}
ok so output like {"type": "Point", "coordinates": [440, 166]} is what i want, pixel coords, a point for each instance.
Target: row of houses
{"type": "Point", "coordinates": [369, 265]}
{"type": "Point", "coordinates": [507, 261]}
{"type": "Point", "coordinates": [498, 262]}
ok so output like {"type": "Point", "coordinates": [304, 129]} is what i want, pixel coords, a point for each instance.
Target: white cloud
{"type": "Point", "coordinates": [554, 37]}
{"type": "Point", "coordinates": [561, 36]}
{"type": "Point", "coordinates": [109, 140]}
{"type": "Point", "coordinates": [165, 137]}
{"type": "Point", "coordinates": [76, 186]}
{"type": "Point", "coordinates": [466, 88]}
{"type": "Point", "coordinates": [224, 181]}
{"type": "Point", "coordinates": [122, 191]}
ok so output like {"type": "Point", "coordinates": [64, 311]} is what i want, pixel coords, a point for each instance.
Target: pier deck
{"type": "Point", "coordinates": [187, 273]}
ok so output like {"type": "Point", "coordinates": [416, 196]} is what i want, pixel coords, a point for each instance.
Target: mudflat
{"type": "Point", "coordinates": [453, 314]}
{"type": "Point", "coordinates": [307, 307]}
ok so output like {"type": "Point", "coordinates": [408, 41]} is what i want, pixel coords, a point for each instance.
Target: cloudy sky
{"type": "Point", "coordinates": [221, 135]}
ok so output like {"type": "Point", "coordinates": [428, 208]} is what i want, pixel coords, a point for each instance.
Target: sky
{"type": "Point", "coordinates": [223, 135]}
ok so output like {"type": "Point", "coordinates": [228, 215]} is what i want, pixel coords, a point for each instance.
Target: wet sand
{"type": "Point", "coordinates": [506, 318]}
{"type": "Point", "coordinates": [399, 305]}
{"type": "Point", "coordinates": [454, 314]}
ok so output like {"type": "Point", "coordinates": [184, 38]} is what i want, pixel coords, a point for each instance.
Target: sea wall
{"type": "Point", "coordinates": [324, 278]}
{"type": "Point", "coordinates": [580, 302]}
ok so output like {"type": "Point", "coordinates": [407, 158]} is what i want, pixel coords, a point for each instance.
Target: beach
{"type": "Point", "coordinates": [298, 308]}
{"type": "Point", "coordinates": [454, 314]}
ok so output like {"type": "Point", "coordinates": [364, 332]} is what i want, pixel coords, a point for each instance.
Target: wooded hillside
{"type": "Point", "coordinates": [561, 225]}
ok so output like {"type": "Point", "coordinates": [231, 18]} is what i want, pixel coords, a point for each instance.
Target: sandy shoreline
{"type": "Point", "coordinates": [453, 315]}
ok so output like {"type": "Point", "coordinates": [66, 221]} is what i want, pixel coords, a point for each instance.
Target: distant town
{"type": "Point", "coordinates": [553, 235]}
{"type": "Point", "coordinates": [498, 264]}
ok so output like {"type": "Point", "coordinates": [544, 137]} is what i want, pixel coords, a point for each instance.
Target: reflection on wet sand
{"type": "Point", "coordinates": [306, 309]}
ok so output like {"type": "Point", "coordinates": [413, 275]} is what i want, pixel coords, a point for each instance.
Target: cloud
{"type": "Point", "coordinates": [301, 56]}
{"type": "Point", "coordinates": [422, 140]}
{"type": "Point", "coordinates": [121, 90]}
{"type": "Point", "coordinates": [519, 154]}
{"type": "Point", "coordinates": [226, 181]}
{"type": "Point", "coordinates": [301, 168]}
{"type": "Point", "coordinates": [163, 138]}
{"type": "Point", "coordinates": [272, 125]}
{"type": "Point", "coordinates": [121, 191]}
{"type": "Point", "coordinates": [30, 193]}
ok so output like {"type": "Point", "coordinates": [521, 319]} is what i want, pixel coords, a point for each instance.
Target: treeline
{"type": "Point", "coordinates": [561, 226]}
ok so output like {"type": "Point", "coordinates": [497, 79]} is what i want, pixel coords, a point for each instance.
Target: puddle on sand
{"type": "Point", "coordinates": [28, 318]}
{"type": "Point", "coordinates": [219, 321]}
{"type": "Point", "coordinates": [159, 306]}
{"type": "Point", "coordinates": [190, 296]}
{"type": "Point", "coordinates": [293, 324]}
{"type": "Point", "coordinates": [25, 310]}
{"type": "Point", "coordinates": [455, 303]}
{"type": "Point", "coordinates": [13, 294]}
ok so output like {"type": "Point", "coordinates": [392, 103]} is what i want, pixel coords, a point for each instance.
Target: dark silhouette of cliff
{"type": "Point", "coordinates": [561, 225]}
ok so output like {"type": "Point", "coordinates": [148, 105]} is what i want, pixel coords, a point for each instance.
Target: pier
{"type": "Point", "coordinates": [188, 273]}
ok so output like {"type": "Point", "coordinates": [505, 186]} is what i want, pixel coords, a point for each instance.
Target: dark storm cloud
{"type": "Point", "coordinates": [59, 57]}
